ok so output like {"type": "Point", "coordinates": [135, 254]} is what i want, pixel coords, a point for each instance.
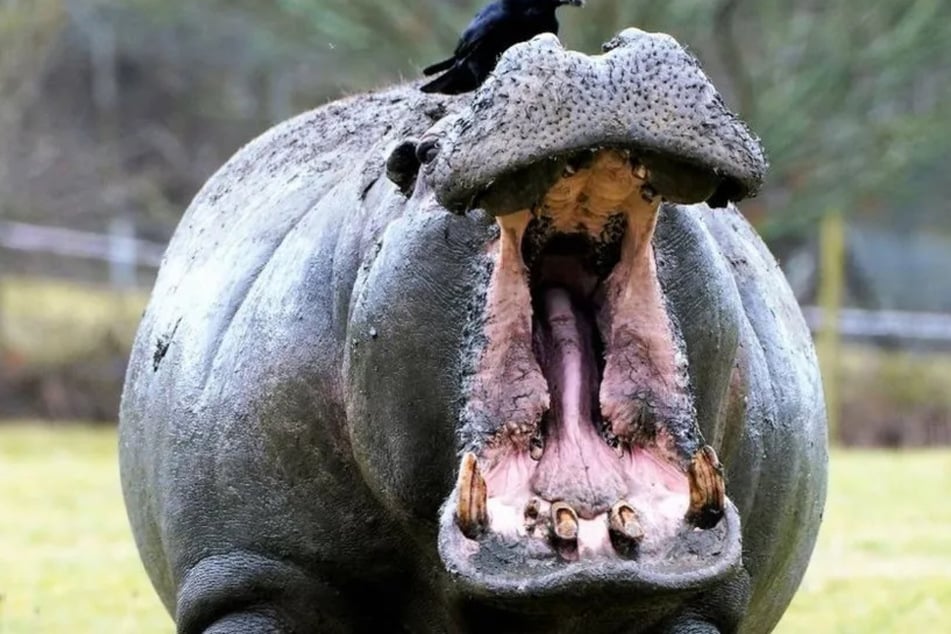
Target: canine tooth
{"type": "Point", "coordinates": [624, 529]}
{"type": "Point", "coordinates": [707, 489]}
{"type": "Point", "coordinates": [471, 514]}
{"type": "Point", "coordinates": [564, 522]}
{"type": "Point", "coordinates": [640, 170]}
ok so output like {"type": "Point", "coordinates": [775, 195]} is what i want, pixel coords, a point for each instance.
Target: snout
{"type": "Point", "coordinates": [544, 105]}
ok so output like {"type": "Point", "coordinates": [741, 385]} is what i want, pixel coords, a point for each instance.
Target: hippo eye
{"type": "Point", "coordinates": [427, 150]}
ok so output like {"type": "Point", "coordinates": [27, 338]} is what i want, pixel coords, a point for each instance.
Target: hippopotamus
{"type": "Point", "coordinates": [509, 361]}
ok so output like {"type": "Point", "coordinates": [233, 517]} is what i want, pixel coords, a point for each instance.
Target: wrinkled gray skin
{"type": "Point", "coordinates": [290, 423]}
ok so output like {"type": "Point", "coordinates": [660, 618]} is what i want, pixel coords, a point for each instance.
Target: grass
{"type": "Point", "coordinates": [883, 561]}
{"type": "Point", "coordinates": [67, 560]}
{"type": "Point", "coordinates": [68, 564]}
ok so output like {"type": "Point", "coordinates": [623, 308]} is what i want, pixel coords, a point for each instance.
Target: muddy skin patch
{"type": "Point", "coordinates": [162, 344]}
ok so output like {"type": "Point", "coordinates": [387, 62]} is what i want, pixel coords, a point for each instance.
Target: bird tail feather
{"type": "Point", "coordinates": [451, 83]}
{"type": "Point", "coordinates": [439, 66]}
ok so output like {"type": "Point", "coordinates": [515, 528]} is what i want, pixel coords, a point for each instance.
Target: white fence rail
{"type": "Point", "coordinates": [898, 324]}
{"type": "Point", "coordinates": [120, 243]}
{"type": "Point", "coordinates": [119, 248]}
{"type": "Point", "coordinates": [124, 252]}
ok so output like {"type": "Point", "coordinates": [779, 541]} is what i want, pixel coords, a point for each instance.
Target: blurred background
{"type": "Point", "coordinates": [114, 112]}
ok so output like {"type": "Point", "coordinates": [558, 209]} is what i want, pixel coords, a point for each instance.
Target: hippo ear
{"type": "Point", "coordinates": [402, 165]}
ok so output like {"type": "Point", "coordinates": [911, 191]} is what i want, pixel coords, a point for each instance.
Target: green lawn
{"type": "Point", "coordinates": [67, 562]}
{"type": "Point", "coordinates": [883, 561]}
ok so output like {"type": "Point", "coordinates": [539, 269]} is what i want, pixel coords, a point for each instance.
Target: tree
{"type": "Point", "coordinates": [849, 97]}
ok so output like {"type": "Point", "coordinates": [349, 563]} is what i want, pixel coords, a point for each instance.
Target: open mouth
{"type": "Point", "coordinates": [587, 447]}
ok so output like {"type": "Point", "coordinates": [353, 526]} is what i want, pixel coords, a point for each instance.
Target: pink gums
{"type": "Point", "coordinates": [577, 465]}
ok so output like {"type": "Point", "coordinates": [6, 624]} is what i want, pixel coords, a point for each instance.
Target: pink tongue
{"type": "Point", "coordinates": [577, 465]}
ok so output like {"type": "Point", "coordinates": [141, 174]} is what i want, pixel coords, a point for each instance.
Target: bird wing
{"type": "Point", "coordinates": [484, 26]}
{"type": "Point", "coordinates": [472, 38]}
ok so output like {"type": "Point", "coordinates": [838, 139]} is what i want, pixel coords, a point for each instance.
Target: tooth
{"type": "Point", "coordinates": [536, 444]}
{"type": "Point", "coordinates": [564, 522]}
{"type": "Point", "coordinates": [471, 514]}
{"type": "Point", "coordinates": [707, 489]}
{"type": "Point", "coordinates": [640, 171]}
{"type": "Point", "coordinates": [531, 516]}
{"type": "Point", "coordinates": [624, 529]}
{"type": "Point", "coordinates": [532, 508]}
{"type": "Point", "coordinates": [624, 521]}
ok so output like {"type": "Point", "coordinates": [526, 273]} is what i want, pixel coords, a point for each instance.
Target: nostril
{"type": "Point", "coordinates": [427, 150]}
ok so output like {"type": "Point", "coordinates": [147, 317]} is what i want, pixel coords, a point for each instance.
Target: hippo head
{"type": "Point", "coordinates": [582, 460]}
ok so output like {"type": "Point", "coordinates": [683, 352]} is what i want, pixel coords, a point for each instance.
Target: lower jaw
{"type": "Point", "coordinates": [506, 572]}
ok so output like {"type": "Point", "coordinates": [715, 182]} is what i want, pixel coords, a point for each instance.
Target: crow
{"type": "Point", "coordinates": [492, 31]}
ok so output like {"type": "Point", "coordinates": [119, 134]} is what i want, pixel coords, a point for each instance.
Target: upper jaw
{"type": "Point", "coordinates": [544, 104]}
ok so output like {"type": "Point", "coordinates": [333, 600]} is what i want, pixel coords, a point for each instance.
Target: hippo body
{"type": "Point", "coordinates": [323, 345]}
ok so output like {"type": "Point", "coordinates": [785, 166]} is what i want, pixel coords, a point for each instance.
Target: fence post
{"type": "Point", "coordinates": [831, 282]}
{"type": "Point", "coordinates": [122, 253]}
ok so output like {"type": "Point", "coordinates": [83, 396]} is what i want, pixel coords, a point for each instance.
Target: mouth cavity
{"type": "Point", "coordinates": [593, 450]}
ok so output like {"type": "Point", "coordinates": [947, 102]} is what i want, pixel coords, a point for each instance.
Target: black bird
{"type": "Point", "coordinates": [492, 31]}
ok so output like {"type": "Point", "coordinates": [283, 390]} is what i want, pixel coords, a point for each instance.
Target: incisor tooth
{"type": "Point", "coordinates": [471, 514]}
{"type": "Point", "coordinates": [564, 521]}
{"type": "Point", "coordinates": [624, 529]}
{"type": "Point", "coordinates": [707, 489]}
{"type": "Point", "coordinates": [564, 528]}
{"type": "Point", "coordinates": [624, 520]}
